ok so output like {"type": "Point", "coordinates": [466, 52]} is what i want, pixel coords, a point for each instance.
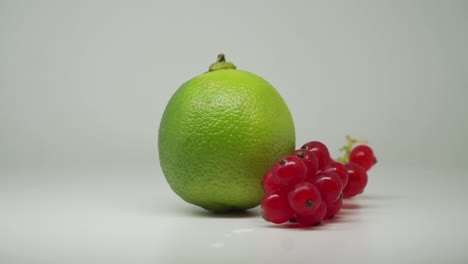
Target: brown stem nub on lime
{"type": "Point", "coordinates": [221, 58]}
{"type": "Point", "coordinates": [221, 64]}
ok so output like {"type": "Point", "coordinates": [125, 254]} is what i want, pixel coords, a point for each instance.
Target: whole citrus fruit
{"type": "Point", "coordinates": [218, 135]}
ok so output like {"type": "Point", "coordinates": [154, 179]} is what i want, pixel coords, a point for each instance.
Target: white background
{"type": "Point", "coordinates": [83, 85]}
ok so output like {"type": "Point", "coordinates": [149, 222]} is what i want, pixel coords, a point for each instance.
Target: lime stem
{"type": "Point", "coordinates": [221, 64]}
{"type": "Point", "coordinates": [221, 58]}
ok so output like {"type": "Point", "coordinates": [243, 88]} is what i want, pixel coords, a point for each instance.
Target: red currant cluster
{"type": "Point", "coordinates": [308, 186]}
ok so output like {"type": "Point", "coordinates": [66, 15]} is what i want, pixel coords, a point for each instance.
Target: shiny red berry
{"type": "Point", "coordinates": [275, 208]}
{"type": "Point", "coordinates": [320, 151]}
{"type": "Point", "coordinates": [289, 170]}
{"type": "Point", "coordinates": [309, 159]}
{"type": "Point", "coordinates": [304, 198]}
{"type": "Point", "coordinates": [357, 180]}
{"type": "Point", "coordinates": [334, 208]}
{"type": "Point", "coordinates": [338, 168]}
{"type": "Point", "coordinates": [362, 155]}
{"type": "Point", "coordinates": [329, 185]}
{"type": "Point", "coordinates": [312, 219]}
{"type": "Point", "coordinates": [267, 182]}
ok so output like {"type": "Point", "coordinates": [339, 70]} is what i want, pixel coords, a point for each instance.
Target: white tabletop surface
{"type": "Point", "coordinates": [406, 215]}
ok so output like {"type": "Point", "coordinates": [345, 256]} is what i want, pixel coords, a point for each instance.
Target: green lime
{"type": "Point", "coordinates": [219, 134]}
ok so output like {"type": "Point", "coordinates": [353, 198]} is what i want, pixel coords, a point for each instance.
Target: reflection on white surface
{"type": "Point", "coordinates": [229, 235]}
{"type": "Point", "coordinates": [217, 245]}
{"type": "Point", "coordinates": [246, 230]}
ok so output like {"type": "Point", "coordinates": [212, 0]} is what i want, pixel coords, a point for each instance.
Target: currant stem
{"type": "Point", "coordinates": [300, 154]}
{"type": "Point", "coordinates": [348, 147]}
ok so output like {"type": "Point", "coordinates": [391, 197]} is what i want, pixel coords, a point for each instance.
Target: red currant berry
{"type": "Point", "coordinates": [304, 198]}
{"type": "Point", "coordinates": [329, 185]}
{"type": "Point", "coordinates": [362, 155]}
{"type": "Point", "coordinates": [339, 169]}
{"type": "Point", "coordinates": [334, 208]}
{"type": "Point", "coordinates": [289, 170]}
{"type": "Point", "coordinates": [357, 180]}
{"type": "Point", "coordinates": [320, 150]}
{"type": "Point", "coordinates": [267, 182]}
{"type": "Point", "coordinates": [275, 208]}
{"type": "Point", "coordinates": [312, 219]}
{"type": "Point", "coordinates": [310, 160]}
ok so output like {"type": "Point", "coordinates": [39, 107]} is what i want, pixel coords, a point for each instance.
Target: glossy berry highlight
{"type": "Point", "coordinates": [313, 219]}
{"type": "Point", "coordinates": [288, 171]}
{"type": "Point", "coordinates": [357, 180]}
{"type": "Point", "coordinates": [334, 208]}
{"type": "Point", "coordinates": [320, 151]}
{"type": "Point", "coordinates": [329, 185]}
{"type": "Point", "coordinates": [310, 160]}
{"type": "Point", "coordinates": [275, 208]}
{"type": "Point", "coordinates": [268, 184]}
{"type": "Point", "coordinates": [362, 155]}
{"type": "Point", "coordinates": [305, 198]}
{"type": "Point", "coordinates": [339, 169]}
